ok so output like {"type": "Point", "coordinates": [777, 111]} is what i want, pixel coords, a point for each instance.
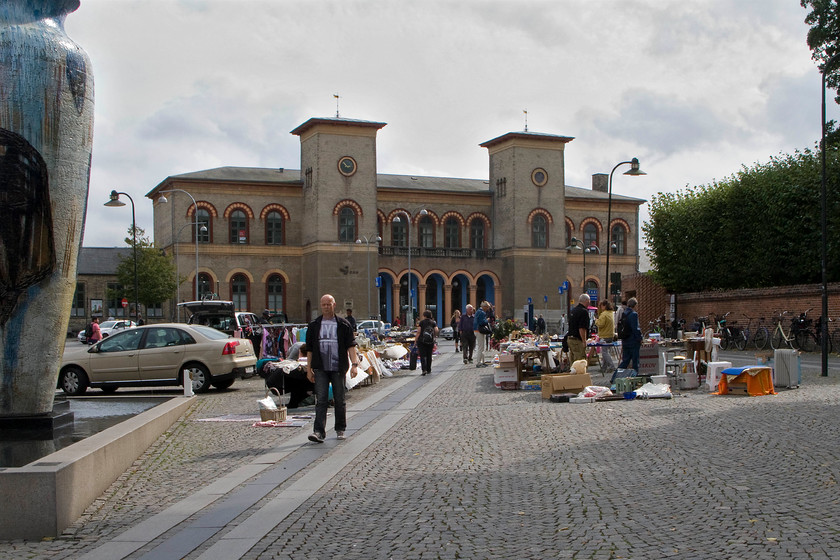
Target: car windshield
{"type": "Point", "coordinates": [212, 334]}
{"type": "Point", "coordinates": [107, 325]}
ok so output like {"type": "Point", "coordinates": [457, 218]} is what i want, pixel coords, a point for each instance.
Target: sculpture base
{"type": "Point", "coordinates": [38, 426]}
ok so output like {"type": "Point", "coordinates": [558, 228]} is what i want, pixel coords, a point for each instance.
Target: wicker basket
{"type": "Point", "coordinates": [278, 415]}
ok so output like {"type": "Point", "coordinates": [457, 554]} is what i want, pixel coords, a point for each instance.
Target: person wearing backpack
{"type": "Point", "coordinates": [427, 331]}
{"type": "Point", "coordinates": [631, 336]}
{"type": "Point", "coordinates": [92, 333]}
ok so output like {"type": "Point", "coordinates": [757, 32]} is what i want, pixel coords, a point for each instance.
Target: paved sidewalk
{"type": "Point", "coordinates": [447, 466]}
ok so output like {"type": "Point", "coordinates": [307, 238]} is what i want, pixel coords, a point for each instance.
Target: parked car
{"type": "Point", "coordinates": [378, 326]}
{"type": "Point", "coordinates": [447, 333]}
{"type": "Point", "coordinates": [221, 315]}
{"type": "Point", "coordinates": [107, 328]}
{"type": "Point", "coordinates": [158, 355]}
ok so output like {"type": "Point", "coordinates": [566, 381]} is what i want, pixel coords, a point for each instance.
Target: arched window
{"type": "Point", "coordinates": [426, 232]}
{"type": "Point", "coordinates": [619, 240]}
{"type": "Point", "coordinates": [239, 292]}
{"type": "Point", "coordinates": [539, 232]}
{"type": "Point", "coordinates": [274, 229]}
{"type": "Point", "coordinates": [590, 285]}
{"type": "Point", "coordinates": [205, 286]}
{"type": "Point", "coordinates": [203, 218]}
{"type": "Point", "coordinates": [568, 234]}
{"type": "Point", "coordinates": [274, 293]}
{"type": "Point", "coordinates": [238, 227]}
{"type": "Point", "coordinates": [347, 225]}
{"type": "Point", "coordinates": [452, 233]}
{"type": "Point", "coordinates": [399, 232]}
{"type": "Point", "coordinates": [477, 234]}
{"type": "Point", "coordinates": [590, 235]}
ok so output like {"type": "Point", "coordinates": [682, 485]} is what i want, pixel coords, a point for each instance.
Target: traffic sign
{"type": "Point", "coordinates": [124, 302]}
{"type": "Point", "coordinates": [566, 285]}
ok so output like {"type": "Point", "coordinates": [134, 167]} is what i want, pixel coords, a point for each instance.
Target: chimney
{"type": "Point", "coordinates": [600, 182]}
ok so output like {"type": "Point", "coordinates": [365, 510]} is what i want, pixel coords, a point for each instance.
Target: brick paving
{"type": "Point", "coordinates": [463, 470]}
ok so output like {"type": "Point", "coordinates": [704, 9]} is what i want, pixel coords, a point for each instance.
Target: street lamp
{"type": "Point", "coordinates": [113, 202]}
{"type": "Point", "coordinates": [409, 315]}
{"type": "Point", "coordinates": [578, 244]}
{"type": "Point", "coordinates": [177, 267]}
{"type": "Point", "coordinates": [163, 200]}
{"type": "Point", "coordinates": [824, 231]}
{"type": "Point", "coordinates": [376, 239]}
{"type": "Point", "coordinates": [633, 171]}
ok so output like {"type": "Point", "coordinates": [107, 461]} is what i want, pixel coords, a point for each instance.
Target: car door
{"type": "Point", "coordinates": [162, 354]}
{"type": "Point", "coordinates": [116, 357]}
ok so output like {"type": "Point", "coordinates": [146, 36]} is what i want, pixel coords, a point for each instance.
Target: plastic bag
{"type": "Point", "coordinates": [654, 391]}
{"type": "Point", "coordinates": [267, 403]}
{"type": "Point", "coordinates": [595, 391]}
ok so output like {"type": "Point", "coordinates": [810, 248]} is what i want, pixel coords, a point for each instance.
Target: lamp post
{"type": "Point", "coordinates": [409, 314]}
{"type": "Point", "coordinates": [177, 268]}
{"type": "Point", "coordinates": [633, 171]}
{"type": "Point", "coordinates": [376, 239]}
{"type": "Point", "coordinates": [163, 200]}
{"type": "Point", "coordinates": [824, 230]}
{"type": "Point", "coordinates": [114, 202]}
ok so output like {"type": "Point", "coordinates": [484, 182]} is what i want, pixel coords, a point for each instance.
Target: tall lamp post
{"type": "Point", "coordinates": [177, 268]}
{"type": "Point", "coordinates": [409, 314]}
{"type": "Point", "coordinates": [824, 230]}
{"type": "Point", "coordinates": [633, 171]}
{"type": "Point", "coordinates": [367, 241]}
{"type": "Point", "coordinates": [578, 244]}
{"type": "Point", "coordinates": [114, 202]}
{"type": "Point", "coordinates": [163, 200]}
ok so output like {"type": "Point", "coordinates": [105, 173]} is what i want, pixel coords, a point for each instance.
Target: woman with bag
{"type": "Point", "coordinates": [606, 332]}
{"type": "Point", "coordinates": [424, 338]}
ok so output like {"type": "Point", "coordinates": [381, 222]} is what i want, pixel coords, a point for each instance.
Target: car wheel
{"type": "Point", "coordinates": [201, 378]}
{"type": "Point", "coordinates": [74, 381]}
{"type": "Point", "coordinates": [110, 389]}
{"type": "Point", "coordinates": [222, 385]}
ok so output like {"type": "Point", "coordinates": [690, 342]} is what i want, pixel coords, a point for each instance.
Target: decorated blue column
{"type": "Point", "coordinates": [46, 137]}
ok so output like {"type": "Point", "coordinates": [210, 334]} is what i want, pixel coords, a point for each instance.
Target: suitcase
{"type": "Point", "coordinates": [788, 368]}
{"type": "Point", "coordinates": [412, 359]}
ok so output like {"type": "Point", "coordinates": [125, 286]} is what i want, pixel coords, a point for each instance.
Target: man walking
{"type": "Point", "coordinates": [467, 333]}
{"type": "Point", "coordinates": [482, 326]}
{"type": "Point", "coordinates": [579, 329]}
{"type": "Point", "coordinates": [332, 349]}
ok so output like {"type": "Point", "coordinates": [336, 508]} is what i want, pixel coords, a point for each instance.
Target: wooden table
{"type": "Point", "coordinates": [521, 356]}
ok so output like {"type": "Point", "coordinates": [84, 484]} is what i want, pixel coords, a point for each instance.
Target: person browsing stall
{"type": "Point", "coordinates": [579, 329]}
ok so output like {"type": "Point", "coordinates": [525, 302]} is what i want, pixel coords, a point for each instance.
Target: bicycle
{"type": "Point", "coordinates": [655, 327]}
{"type": "Point", "coordinates": [799, 335]}
{"type": "Point", "coordinates": [779, 336]}
{"type": "Point", "coordinates": [761, 334]}
{"type": "Point", "coordinates": [730, 334]}
{"type": "Point", "coordinates": [818, 334]}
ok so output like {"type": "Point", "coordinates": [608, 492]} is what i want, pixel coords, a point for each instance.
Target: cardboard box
{"type": "Point", "coordinates": [507, 359]}
{"type": "Point", "coordinates": [564, 383]}
{"type": "Point", "coordinates": [504, 375]}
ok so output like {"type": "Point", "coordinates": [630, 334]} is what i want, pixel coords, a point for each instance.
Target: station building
{"type": "Point", "coordinates": [278, 239]}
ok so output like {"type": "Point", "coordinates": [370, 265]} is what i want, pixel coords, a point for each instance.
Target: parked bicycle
{"type": "Point", "coordinates": [799, 335]}
{"type": "Point", "coordinates": [818, 334]}
{"type": "Point", "coordinates": [730, 335]}
{"type": "Point", "coordinates": [758, 335]}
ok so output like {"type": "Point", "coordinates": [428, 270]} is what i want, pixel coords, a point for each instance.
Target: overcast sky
{"type": "Point", "coordinates": [693, 88]}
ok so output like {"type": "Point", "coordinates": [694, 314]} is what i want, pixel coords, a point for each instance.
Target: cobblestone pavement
{"type": "Point", "coordinates": [449, 467]}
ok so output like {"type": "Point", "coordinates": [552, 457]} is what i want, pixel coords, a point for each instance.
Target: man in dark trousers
{"type": "Point", "coordinates": [630, 346]}
{"type": "Point", "coordinates": [332, 349]}
{"type": "Point", "coordinates": [579, 329]}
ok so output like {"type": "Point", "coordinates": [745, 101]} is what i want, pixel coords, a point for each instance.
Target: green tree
{"type": "Point", "coordinates": [824, 41]}
{"type": "Point", "coordinates": [155, 272]}
{"type": "Point", "coordinates": [758, 228]}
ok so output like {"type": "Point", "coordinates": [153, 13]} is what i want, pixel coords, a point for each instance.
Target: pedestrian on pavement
{"type": "Point", "coordinates": [350, 319]}
{"type": "Point", "coordinates": [579, 329]}
{"type": "Point", "coordinates": [491, 318]}
{"type": "Point", "coordinates": [482, 329]}
{"type": "Point", "coordinates": [95, 334]}
{"type": "Point", "coordinates": [606, 332]}
{"type": "Point", "coordinates": [630, 346]}
{"type": "Point", "coordinates": [467, 333]}
{"type": "Point", "coordinates": [456, 326]}
{"type": "Point", "coordinates": [332, 350]}
{"type": "Point", "coordinates": [540, 326]}
{"type": "Point", "coordinates": [427, 331]}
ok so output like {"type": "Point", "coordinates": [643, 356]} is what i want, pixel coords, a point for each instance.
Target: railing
{"type": "Point", "coordinates": [437, 252]}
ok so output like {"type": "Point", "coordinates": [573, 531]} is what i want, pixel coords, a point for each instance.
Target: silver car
{"type": "Point", "coordinates": [158, 355]}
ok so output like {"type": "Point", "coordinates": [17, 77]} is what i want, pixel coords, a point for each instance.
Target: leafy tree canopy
{"type": "Point", "coordinates": [155, 272]}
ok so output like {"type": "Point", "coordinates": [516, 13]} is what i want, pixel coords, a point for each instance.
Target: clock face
{"type": "Point", "coordinates": [346, 166]}
{"type": "Point", "coordinates": [539, 177]}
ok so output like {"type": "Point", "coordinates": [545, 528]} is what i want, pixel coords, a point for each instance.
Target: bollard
{"type": "Point", "coordinates": [188, 389]}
